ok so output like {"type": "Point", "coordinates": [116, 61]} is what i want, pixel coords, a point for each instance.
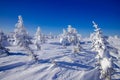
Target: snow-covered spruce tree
{"type": "Point", "coordinates": [100, 43]}
{"type": "Point", "coordinates": [22, 39]}
{"type": "Point", "coordinates": [70, 36]}
{"type": "Point", "coordinates": [3, 51]}
{"type": "Point", "coordinates": [101, 46]}
{"type": "Point", "coordinates": [38, 39]}
{"type": "Point", "coordinates": [20, 34]}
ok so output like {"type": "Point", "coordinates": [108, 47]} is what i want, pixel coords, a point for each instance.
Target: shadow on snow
{"type": "Point", "coordinates": [11, 66]}
{"type": "Point", "coordinates": [20, 54]}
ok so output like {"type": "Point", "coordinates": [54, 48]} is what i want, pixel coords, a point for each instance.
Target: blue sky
{"type": "Point", "coordinates": [54, 15]}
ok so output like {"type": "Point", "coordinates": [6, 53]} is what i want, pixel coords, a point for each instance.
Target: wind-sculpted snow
{"type": "Point", "coordinates": [54, 63]}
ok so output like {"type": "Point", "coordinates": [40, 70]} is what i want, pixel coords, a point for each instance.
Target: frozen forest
{"type": "Point", "coordinates": [67, 56]}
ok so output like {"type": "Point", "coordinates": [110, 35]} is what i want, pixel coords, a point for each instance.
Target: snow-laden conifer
{"type": "Point", "coordinates": [69, 36]}
{"type": "Point", "coordinates": [103, 48]}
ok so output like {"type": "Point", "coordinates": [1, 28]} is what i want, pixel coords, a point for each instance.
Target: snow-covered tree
{"type": "Point", "coordinates": [100, 44]}
{"type": "Point", "coordinates": [70, 36]}
{"type": "Point", "coordinates": [22, 39]}
{"type": "Point", "coordinates": [20, 34]}
{"type": "Point", "coordinates": [39, 37]}
{"type": "Point", "coordinates": [37, 40]}
{"type": "Point", "coordinates": [3, 51]}
{"type": "Point", "coordinates": [103, 48]}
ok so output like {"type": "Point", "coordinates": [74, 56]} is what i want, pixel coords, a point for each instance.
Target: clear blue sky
{"type": "Point", "coordinates": [54, 15]}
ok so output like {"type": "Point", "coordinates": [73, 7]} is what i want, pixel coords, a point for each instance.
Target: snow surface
{"type": "Point", "coordinates": [55, 63]}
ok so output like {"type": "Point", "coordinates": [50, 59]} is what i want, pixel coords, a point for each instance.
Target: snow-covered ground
{"type": "Point", "coordinates": [55, 63]}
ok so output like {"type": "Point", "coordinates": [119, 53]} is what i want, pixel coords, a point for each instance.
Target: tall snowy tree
{"type": "Point", "coordinates": [38, 38]}
{"type": "Point", "coordinates": [3, 51]}
{"type": "Point", "coordinates": [103, 48]}
{"type": "Point", "coordinates": [100, 44]}
{"type": "Point", "coordinates": [22, 39]}
{"type": "Point", "coordinates": [20, 34]}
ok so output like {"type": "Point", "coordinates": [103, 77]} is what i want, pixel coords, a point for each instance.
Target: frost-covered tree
{"type": "Point", "coordinates": [22, 39]}
{"type": "Point", "coordinates": [3, 51]}
{"type": "Point", "coordinates": [20, 34]}
{"type": "Point", "coordinates": [100, 43]}
{"type": "Point", "coordinates": [70, 36]}
{"type": "Point", "coordinates": [39, 37]}
{"type": "Point", "coordinates": [103, 48]}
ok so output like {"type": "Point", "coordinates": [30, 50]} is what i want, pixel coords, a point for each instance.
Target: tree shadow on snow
{"type": "Point", "coordinates": [11, 66]}
{"type": "Point", "coordinates": [55, 43]}
{"type": "Point", "coordinates": [44, 61]}
{"type": "Point", "coordinates": [73, 66]}
{"type": "Point", "coordinates": [20, 54]}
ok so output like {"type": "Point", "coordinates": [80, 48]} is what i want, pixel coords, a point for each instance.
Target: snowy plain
{"type": "Point", "coordinates": [55, 63]}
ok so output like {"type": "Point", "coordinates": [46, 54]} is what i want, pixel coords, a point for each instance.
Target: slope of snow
{"type": "Point", "coordinates": [55, 63]}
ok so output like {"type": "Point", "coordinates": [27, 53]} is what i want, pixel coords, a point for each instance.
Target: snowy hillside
{"type": "Point", "coordinates": [65, 57]}
{"type": "Point", "coordinates": [55, 63]}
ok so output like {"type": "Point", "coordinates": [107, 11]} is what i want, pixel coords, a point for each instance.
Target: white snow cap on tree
{"type": "Point", "coordinates": [70, 29]}
{"type": "Point", "coordinates": [95, 26]}
{"type": "Point", "coordinates": [20, 21]}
